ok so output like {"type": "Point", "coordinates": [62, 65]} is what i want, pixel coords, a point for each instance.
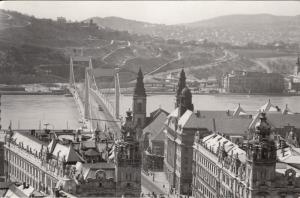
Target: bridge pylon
{"type": "Point", "coordinates": [87, 110]}
{"type": "Point", "coordinates": [71, 78]}
{"type": "Point", "coordinates": [117, 93]}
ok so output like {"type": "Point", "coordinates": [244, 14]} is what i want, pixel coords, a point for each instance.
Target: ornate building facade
{"type": "Point", "coordinates": [79, 166]}
{"type": "Point", "coordinates": [224, 169]}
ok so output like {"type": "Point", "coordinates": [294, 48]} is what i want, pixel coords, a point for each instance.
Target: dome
{"type": "Point", "coordinates": [186, 92]}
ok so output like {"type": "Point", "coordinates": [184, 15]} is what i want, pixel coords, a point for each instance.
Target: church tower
{"type": "Point", "coordinates": [128, 161]}
{"type": "Point", "coordinates": [181, 85]}
{"type": "Point", "coordinates": [261, 158]}
{"type": "Point", "coordinates": [297, 67]}
{"type": "Point", "coordinates": [139, 102]}
{"type": "Point", "coordinates": [185, 102]}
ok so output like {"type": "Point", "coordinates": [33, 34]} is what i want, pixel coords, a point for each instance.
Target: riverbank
{"type": "Point", "coordinates": [221, 94]}
{"type": "Point", "coordinates": [29, 93]}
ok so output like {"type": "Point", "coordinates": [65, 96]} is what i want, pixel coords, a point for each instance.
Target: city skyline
{"type": "Point", "coordinates": [161, 12]}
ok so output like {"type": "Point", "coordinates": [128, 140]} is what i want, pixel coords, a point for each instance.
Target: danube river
{"type": "Point", "coordinates": [60, 112]}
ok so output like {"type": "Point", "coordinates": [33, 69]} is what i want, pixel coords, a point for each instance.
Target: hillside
{"type": "Point", "coordinates": [28, 44]}
{"type": "Point", "coordinates": [233, 29]}
{"type": "Point", "coordinates": [247, 21]}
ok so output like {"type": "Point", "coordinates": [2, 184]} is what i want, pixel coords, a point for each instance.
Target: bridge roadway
{"type": "Point", "coordinates": [98, 116]}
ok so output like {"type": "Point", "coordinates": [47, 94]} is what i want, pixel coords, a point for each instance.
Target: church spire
{"type": "Point", "coordinates": [139, 89]}
{"type": "Point", "coordinates": [181, 85]}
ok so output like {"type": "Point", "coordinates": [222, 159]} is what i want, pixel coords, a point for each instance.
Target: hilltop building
{"type": "Point", "coordinates": [253, 82]}
{"type": "Point", "coordinates": [256, 169]}
{"type": "Point", "coordinates": [61, 20]}
{"type": "Point", "coordinates": [70, 163]}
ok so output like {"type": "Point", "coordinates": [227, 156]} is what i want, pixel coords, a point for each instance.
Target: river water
{"type": "Point", "coordinates": [60, 112]}
{"type": "Point", "coordinates": [215, 102]}
{"type": "Point", "coordinates": [28, 111]}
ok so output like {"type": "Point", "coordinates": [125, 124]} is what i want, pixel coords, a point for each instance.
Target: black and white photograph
{"type": "Point", "coordinates": [150, 99]}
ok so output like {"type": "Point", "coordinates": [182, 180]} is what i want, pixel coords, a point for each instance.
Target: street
{"type": "Point", "coordinates": [149, 186]}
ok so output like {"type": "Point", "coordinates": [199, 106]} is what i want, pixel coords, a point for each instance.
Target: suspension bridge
{"type": "Point", "coordinates": [95, 104]}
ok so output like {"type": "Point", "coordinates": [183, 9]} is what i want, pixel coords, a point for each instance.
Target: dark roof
{"type": "Point", "coordinates": [216, 114]}
{"type": "Point", "coordinates": [279, 120]}
{"type": "Point", "coordinates": [155, 113]}
{"type": "Point", "coordinates": [237, 126]}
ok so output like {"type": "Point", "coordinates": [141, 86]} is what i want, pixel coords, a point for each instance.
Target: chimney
{"type": "Point", "coordinates": [198, 114]}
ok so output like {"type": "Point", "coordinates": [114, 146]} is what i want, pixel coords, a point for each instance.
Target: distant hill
{"type": "Point", "coordinates": [118, 23]}
{"type": "Point", "coordinates": [234, 29]}
{"type": "Point", "coordinates": [251, 21]}
{"type": "Point", "coordinates": [27, 42]}
{"type": "Point", "coordinates": [132, 26]}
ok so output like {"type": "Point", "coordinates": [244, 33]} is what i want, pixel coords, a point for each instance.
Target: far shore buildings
{"type": "Point", "coordinates": [253, 82]}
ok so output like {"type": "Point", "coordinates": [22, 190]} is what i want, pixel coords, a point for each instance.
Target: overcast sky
{"type": "Point", "coordinates": [167, 12]}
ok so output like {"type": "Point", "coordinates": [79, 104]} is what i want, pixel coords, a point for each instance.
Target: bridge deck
{"type": "Point", "coordinates": [112, 125]}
